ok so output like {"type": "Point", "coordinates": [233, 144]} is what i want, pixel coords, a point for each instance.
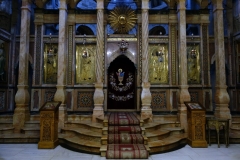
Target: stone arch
{"type": "Point", "coordinates": [117, 53]}
{"type": "Point", "coordinates": [83, 29]}
{"type": "Point", "coordinates": [156, 30]}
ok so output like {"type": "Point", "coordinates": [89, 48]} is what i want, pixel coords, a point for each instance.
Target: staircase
{"type": "Point", "coordinates": [235, 130]}
{"type": "Point", "coordinates": [163, 134]}
{"type": "Point", "coordinates": [124, 139]}
{"type": "Point", "coordinates": [29, 133]}
{"type": "Point", "coordinates": [81, 134]}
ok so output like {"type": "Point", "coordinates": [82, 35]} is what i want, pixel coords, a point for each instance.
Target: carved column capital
{"type": "Point", "coordinates": [100, 4]}
{"type": "Point", "coordinates": [145, 4]}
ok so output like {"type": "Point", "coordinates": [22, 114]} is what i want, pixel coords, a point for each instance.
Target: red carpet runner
{"type": "Point", "coordinates": [125, 140]}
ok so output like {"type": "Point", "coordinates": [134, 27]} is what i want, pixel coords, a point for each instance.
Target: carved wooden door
{"type": "Point", "coordinates": [121, 84]}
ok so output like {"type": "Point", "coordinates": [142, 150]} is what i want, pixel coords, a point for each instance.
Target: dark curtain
{"type": "Point", "coordinates": [121, 96]}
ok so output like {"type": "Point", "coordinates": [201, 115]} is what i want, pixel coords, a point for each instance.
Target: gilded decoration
{"type": "Point", "coordinates": [47, 121]}
{"type": "Point", "coordinates": [193, 64]}
{"type": "Point", "coordinates": [117, 87]}
{"type": "Point", "coordinates": [199, 122]}
{"type": "Point", "coordinates": [122, 19]}
{"type": "Point", "coordinates": [85, 63]}
{"type": "Point", "coordinates": [50, 63]}
{"type": "Point", "coordinates": [158, 64]}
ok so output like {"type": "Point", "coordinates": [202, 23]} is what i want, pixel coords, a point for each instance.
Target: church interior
{"type": "Point", "coordinates": [120, 78]}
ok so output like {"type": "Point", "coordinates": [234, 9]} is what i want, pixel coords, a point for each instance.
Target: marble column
{"type": "Point", "coordinates": [146, 97]}
{"type": "Point", "coordinates": [22, 97]}
{"type": "Point", "coordinates": [221, 96]}
{"type": "Point", "coordinates": [60, 94]}
{"type": "Point", "coordinates": [183, 85]}
{"type": "Point", "coordinates": [98, 97]}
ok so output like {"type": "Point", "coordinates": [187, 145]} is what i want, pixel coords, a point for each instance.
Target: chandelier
{"type": "Point", "coordinates": [193, 53]}
{"type": "Point", "coordinates": [123, 46]}
{"type": "Point", "coordinates": [85, 51]}
{"type": "Point", "coordinates": [50, 51]}
{"type": "Point", "coordinates": [160, 54]}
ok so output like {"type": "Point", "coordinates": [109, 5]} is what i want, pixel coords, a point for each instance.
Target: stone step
{"type": "Point", "coordinates": [78, 144]}
{"type": "Point", "coordinates": [235, 124]}
{"type": "Point", "coordinates": [80, 118]}
{"type": "Point", "coordinates": [157, 125]}
{"type": "Point", "coordinates": [235, 118]}
{"type": "Point", "coordinates": [32, 124]}
{"type": "Point", "coordinates": [103, 150]}
{"type": "Point", "coordinates": [168, 118]}
{"type": "Point", "coordinates": [6, 130]}
{"type": "Point", "coordinates": [31, 130]}
{"type": "Point", "coordinates": [170, 143]}
{"type": "Point", "coordinates": [19, 138]}
{"type": "Point", "coordinates": [35, 117]}
{"type": "Point", "coordinates": [6, 123]}
{"type": "Point", "coordinates": [163, 133]}
{"type": "Point", "coordinates": [6, 118]}
{"type": "Point", "coordinates": [95, 127]}
{"type": "Point", "coordinates": [104, 139]}
{"type": "Point", "coordinates": [82, 133]}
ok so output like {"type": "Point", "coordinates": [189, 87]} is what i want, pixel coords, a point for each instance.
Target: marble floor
{"type": "Point", "coordinates": [31, 152]}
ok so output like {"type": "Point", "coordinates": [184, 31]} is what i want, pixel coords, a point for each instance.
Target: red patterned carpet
{"type": "Point", "coordinates": [125, 140]}
{"type": "Point", "coordinates": [123, 119]}
{"type": "Point", "coordinates": [124, 129]}
{"type": "Point", "coordinates": [127, 151]}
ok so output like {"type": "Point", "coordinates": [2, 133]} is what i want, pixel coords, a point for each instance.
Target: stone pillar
{"type": "Point", "coordinates": [146, 97]}
{"type": "Point", "coordinates": [221, 96]}
{"type": "Point", "coordinates": [98, 97]}
{"type": "Point", "coordinates": [60, 94]}
{"type": "Point", "coordinates": [21, 112]}
{"type": "Point", "coordinates": [183, 86]}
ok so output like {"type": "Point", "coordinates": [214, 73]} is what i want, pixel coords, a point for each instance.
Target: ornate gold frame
{"type": "Point", "coordinates": [50, 63]}
{"type": "Point", "coordinates": [193, 64]}
{"type": "Point", "coordinates": [85, 65]}
{"type": "Point", "coordinates": [158, 71]}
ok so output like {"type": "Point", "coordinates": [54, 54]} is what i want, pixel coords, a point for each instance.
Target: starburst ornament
{"type": "Point", "coordinates": [122, 19]}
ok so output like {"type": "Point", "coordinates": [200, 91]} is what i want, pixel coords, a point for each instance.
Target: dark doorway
{"type": "Point", "coordinates": [121, 84]}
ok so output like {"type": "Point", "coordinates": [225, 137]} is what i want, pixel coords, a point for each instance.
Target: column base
{"type": "Point", "coordinates": [20, 116]}
{"type": "Point", "coordinates": [62, 116]}
{"type": "Point", "coordinates": [182, 116]}
{"type": "Point", "coordinates": [98, 113]}
{"type": "Point", "coordinates": [222, 111]}
{"type": "Point", "coordinates": [146, 114]}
